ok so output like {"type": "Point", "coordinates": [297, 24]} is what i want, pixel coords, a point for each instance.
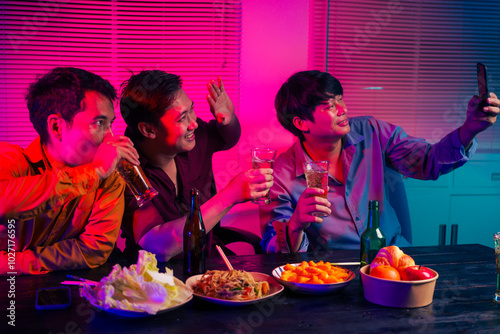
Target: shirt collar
{"type": "Point", "coordinates": [300, 157]}
{"type": "Point", "coordinates": [35, 153]}
{"type": "Point", "coordinates": [353, 138]}
{"type": "Point", "coordinates": [182, 163]}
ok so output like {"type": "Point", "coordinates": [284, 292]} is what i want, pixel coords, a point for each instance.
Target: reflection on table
{"type": "Point", "coordinates": [463, 301]}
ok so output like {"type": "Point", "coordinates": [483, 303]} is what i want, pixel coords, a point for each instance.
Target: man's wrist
{"type": "Point", "coordinates": [226, 198]}
{"type": "Point", "coordinates": [466, 136]}
{"type": "Point", "coordinates": [293, 228]}
{"type": "Point", "coordinates": [295, 234]}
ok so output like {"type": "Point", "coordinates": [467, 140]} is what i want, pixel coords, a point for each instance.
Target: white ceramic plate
{"type": "Point", "coordinates": [274, 289]}
{"type": "Point", "coordinates": [137, 314]}
{"type": "Point", "coordinates": [141, 314]}
{"type": "Point", "coordinates": [313, 289]}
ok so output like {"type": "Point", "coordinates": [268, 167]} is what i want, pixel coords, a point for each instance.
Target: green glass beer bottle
{"type": "Point", "coordinates": [194, 238]}
{"type": "Point", "coordinates": [372, 239]}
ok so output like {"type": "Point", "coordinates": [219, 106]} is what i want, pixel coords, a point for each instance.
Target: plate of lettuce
{"type": "Point", "coordinates": [139, 290]}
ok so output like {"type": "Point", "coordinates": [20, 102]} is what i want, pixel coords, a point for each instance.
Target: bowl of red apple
{"type": "Point", "coordinates": [393, 279]}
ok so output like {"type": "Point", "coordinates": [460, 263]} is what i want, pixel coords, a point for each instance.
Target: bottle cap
{"type": "Point", "coordinates": [373, 204]}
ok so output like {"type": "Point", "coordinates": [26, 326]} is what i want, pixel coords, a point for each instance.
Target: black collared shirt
{"type": "Point", "coordinates": [194, 170]}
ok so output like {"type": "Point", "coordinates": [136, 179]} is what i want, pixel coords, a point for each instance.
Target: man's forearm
{"type": "Point", "coordinates": [295, 238]}
{"type": "Point", "coordinates": [166, 239]}
{"type": "Point", "coordinates": [28, 196]}
{"type": "Point", "coordinates": [231, 132]}
{"type": "Point", "coordinates": [466, 136]}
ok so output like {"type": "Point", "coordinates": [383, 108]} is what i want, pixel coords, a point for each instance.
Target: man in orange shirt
{"type": "Point", "coordinates": [61, 204]}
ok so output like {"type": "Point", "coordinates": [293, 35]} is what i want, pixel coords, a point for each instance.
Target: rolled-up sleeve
{"type": "Point", "coordinates": [414, 157]}
{"type": "Point", "coordinates": [94, 244]}
{"type": "Point", "coordinates": [25, 196]}
{"type": "Point", "coordinates": [275, 216]}
{"type": "Point", "coordinates": [59, 218]}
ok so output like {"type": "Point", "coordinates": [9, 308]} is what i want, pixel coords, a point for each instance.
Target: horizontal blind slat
{"type": "Point", "coordinates": [416, 71]}
{"type": "Point", "coordinates": [197, 39]}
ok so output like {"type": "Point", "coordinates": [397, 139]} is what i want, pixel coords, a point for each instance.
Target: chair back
{"type": "Point", "coordinates": [223, 236]}
{"type": "Point", "coordinates": [396, 193]}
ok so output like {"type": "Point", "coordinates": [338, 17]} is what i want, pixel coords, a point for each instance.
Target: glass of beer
{"type": "Point", "coordinates": [496, 239]}
{"type": "Point", "coordinates": [317, 177]}
{"type": "Point", "coordinates": [263, 158]}
{"type": "Point", "coordinates": [137, 181]}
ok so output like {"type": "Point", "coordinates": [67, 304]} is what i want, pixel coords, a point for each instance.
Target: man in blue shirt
{"type": "Point", "coordinates": [359, 151]}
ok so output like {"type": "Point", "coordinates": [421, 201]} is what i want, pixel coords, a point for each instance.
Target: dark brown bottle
{"type": "Point", "coordinates": [195, 238]}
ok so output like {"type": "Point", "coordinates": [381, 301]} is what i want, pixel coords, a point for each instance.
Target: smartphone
{"type": "Point", "coordinates": [482, 83]}
{"type": "Point", "coordinates": [53, 298]}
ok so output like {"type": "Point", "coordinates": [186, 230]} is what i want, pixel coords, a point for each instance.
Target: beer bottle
{"type": "Point", "coordinates": [194, 238]}
{"type": "Point", "coordinates": [372, 239]}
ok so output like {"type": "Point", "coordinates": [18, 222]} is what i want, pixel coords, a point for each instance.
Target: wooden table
{"type": "Point", "coordinates": [462, 302]}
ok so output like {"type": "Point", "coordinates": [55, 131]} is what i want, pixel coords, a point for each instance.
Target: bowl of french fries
{"type": "Point", "coordinates": [313, 277]}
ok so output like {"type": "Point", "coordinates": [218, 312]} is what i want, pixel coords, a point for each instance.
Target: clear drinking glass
{"type": "Point", "coordinates": [317, 177]}
{"type": "Point", "coordinates": [263, 158]}
{"type": "Point", "coordinates": [496, 238]}
{"type": "Point", "coordinates": [137, 182]}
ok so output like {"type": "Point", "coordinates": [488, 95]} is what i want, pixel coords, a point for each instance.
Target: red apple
{"type": "Point", "coordinates": [416, 273]}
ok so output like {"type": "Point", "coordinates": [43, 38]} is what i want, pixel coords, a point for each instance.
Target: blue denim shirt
{"type": "Point", "coordinates": [368, 150]}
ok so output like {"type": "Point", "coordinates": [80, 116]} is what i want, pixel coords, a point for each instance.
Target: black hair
{"type": "Point", "coordinates": [301, 94]}
{"type": "Point", "coordinates": [61, 91]}
{"type": "Point", "coordinates": [145, 97]}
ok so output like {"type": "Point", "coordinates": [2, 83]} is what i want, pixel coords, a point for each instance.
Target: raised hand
{"type": "Point", "coordinates": [479, 117]}
{"type": "Point", "coordinates": [220, 104]}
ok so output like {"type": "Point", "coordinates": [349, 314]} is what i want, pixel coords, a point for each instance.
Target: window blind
{"type": "Point", "coordinates": [411, 63]}
{"type": "Point", "coordinates": [198, 40]}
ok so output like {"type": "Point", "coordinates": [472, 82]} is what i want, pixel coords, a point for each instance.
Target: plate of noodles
{"type": "Point", "coordinates": [233, 287]}
{"type": "Point", "coordinates": [313, 278]}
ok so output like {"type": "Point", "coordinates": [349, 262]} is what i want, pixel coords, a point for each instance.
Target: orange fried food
{"type": "Point", "coordinates": [314, 273]}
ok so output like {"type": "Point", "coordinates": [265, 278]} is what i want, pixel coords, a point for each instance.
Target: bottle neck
{"type": "Point", "coordinates": [195, 202]}
{"type": "Point", "coordinates": [194, 214]}
{"type": "Point", "coordinates": [373, 217]}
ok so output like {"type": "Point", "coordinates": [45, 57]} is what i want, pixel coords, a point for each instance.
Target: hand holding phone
{"type": "Point", "coordinates": [53, 298]}
{"type": "Point", "coordinates": [482, 83]}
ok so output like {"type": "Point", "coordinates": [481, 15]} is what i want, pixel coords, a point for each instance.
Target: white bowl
{"type": "Point", "coordinates": [313, 289]}
{"type": "Point", "coordinates": [402, 294]}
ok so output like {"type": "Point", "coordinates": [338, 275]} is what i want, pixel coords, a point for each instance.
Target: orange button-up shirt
{"type": "Point", "coordinates": [54, 219]}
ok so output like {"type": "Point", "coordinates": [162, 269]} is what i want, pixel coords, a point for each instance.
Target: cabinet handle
{"type": "Point", "coordinates": [454, 234]}
{"type": "Point", "coordinates": [495, 176]}
{"type": "Point", "coordinates": [442, 235]}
